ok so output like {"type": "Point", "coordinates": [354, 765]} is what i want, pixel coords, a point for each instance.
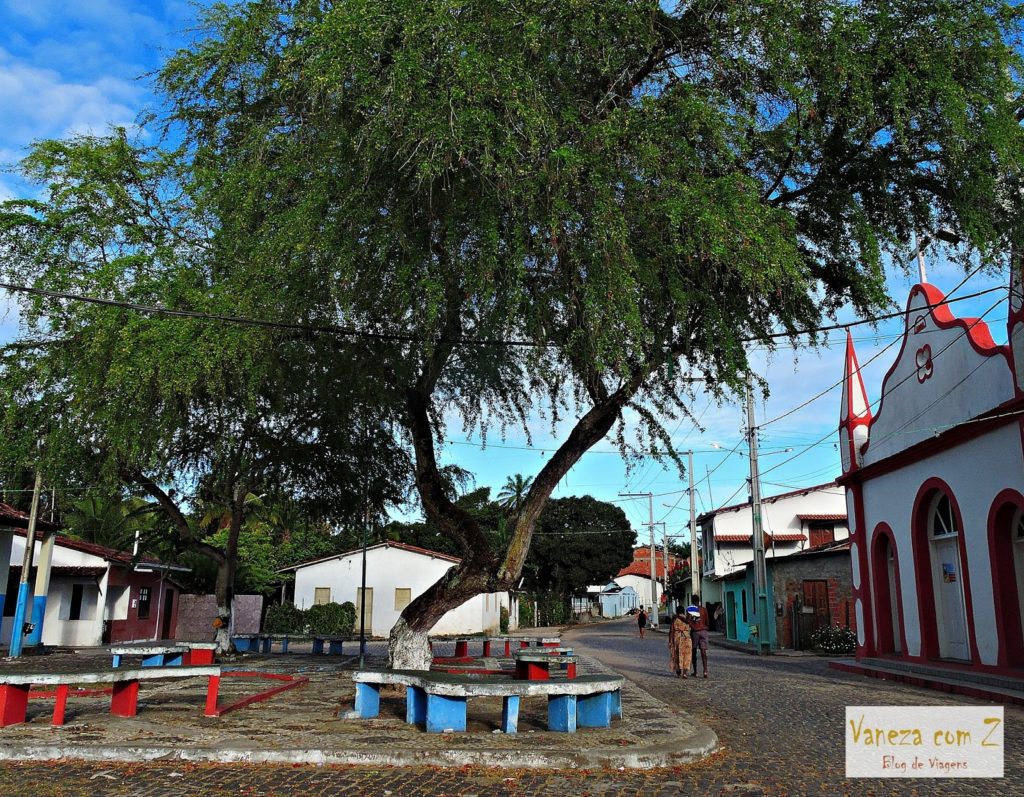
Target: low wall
{"type": "Point", "coordinates": [197, 612]}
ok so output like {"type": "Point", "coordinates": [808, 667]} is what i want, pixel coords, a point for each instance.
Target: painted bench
{"type": "Point", "coordinates": [438, 700]}
{"type": "Point", "coordinates": [15, 687]}
{"type": "Point", "coordinates": [489, 643]}
{"type": "Point", "coordinates": [538, 666]}
{"type": "Point", "coordinates": [335, 644]}
{"type": "Point", "coordinates": [153, 654]}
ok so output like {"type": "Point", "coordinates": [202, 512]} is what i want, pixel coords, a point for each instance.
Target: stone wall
{"type": "Point", "coordinates": [197, 612]}
{"type": "Point", "coordinates": [788, 576]}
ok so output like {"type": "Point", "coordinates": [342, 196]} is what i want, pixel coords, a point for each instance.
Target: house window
{"type": "Point", "coordinates": [75, 612]}
{"type": "Point", "coordinates": [822, 535]}
{"type": "Point", "coordinates": [403, 596]}
{"type": "Point", "coordinates": [321, 595]}
{"type": "Point", "coordinates": [144, 601]}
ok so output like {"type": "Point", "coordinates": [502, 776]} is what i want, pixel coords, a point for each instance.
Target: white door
{"type": "Point", "coordinates": [894, 598]}
{"type": "Point", "coordinates": [947, 581]}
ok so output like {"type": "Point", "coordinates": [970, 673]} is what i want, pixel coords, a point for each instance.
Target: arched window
{"type": "Point", "coordinates": [942, 519]}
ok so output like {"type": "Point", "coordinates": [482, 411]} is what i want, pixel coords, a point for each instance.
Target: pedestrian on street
{"type": "Point", "coordinates": [680, 647]}
{"type": "Point", "coordinates": [641, 621]}
{"type": "Point", "coordinates": [698, 619]}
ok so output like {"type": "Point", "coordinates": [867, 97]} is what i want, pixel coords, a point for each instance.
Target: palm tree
{"type": "Point", "coordinates": [514, 491]}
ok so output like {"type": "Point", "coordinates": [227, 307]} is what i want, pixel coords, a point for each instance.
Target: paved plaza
{"type": "Point", "coordinates": [778, 721]}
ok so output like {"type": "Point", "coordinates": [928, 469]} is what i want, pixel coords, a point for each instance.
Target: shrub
{"type": "Point", "coordinates": [331, 618]}
{"type": "Point", "coordinates": [503, 621]}
{"type": "Point", "coordinates": [284, 618]}
{"type": "Point", "coordinates": [834, 640]}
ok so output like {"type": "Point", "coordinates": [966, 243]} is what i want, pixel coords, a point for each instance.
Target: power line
{"type": "Point", "coordinates": [348, 331]}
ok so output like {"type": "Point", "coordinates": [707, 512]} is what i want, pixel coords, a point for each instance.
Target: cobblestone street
{"type": "Point", "coordinates": [779, 719]}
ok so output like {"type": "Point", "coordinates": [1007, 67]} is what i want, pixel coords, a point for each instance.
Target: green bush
{"type": "Point", "coordinates": [284, 618]}
{"type": "Point", "coordinates": [503, 621]}
{"type": "Point", "coordinates": [331, 618]}
{"type": "Point", "coordinates": [834, 640]}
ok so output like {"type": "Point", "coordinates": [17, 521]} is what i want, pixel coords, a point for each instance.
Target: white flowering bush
{"type": "Point", "coordinates": [834, 640]}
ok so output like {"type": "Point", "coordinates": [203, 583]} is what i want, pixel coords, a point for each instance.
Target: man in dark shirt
{"type": "Point", "coordinates": [698, 619]}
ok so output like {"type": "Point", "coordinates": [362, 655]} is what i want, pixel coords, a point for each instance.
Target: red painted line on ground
{"type": "Point", "coordinates": [256, 674]}
{"type": "Point", "coordinates": [260, 697]}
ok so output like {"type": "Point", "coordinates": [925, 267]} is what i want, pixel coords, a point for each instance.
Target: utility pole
{"type": "Point", "coordinates": [654, 573]}
{"type": "Point", "coordinates": [18, 628]}
{"type": "Point", "coordinates": [760, 573]}
{"type": "Point", "coordinates": [694, 558]}
{"type": "Point", "coordinates": [664, 561]}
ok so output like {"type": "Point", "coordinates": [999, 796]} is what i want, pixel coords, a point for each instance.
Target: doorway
{"type": "Point", "coordinates": [947, 579]}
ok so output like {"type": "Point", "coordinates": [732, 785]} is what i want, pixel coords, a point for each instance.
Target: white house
{"type": "Point", "coordinates": [794, 521]}
{"type": "Point", "coordinates": [82, 594]}
{"type": "Point", "coordinates": [396, 573]}
{"type": "Point", "coordinates": [934, 478]}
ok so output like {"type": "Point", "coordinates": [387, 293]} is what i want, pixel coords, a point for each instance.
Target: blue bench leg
{"type": "Point", "coordinates": [156, 660]}
{"type": "Point", "coordinates": [562, 713]}
{"type": "Point", "coordinates": [510, 714]}
{"type": "Point", "coordinates": [284, 645]}
{"type": "Point", "coordinates": [318, 647]}
{"type": "Point", "coordinates": [173, 659]}
{"type": "Point", "coordinates": [594, 711]}
{"type": "Point", "coordinates": [367, 700]}
{"type": "Point", "coordinates": [445, 713]}
{"type": "Point", "coordinates": [267, 643]}
{"type": "Point", "coordinates": [415, 705]}
{"type": "Point", "coordinates": [617, 704]}
{"type": "Point", "coordinates": [117, 661]}
{"type": "Point", "coordinates": [335, 648]}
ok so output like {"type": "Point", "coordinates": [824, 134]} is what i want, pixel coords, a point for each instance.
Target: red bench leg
{"type": "Point", "coordinates": [13, 703]}
{"type": "Point", "coordinates": [570, 671]}
{"type": "Point", "coordinates": [487, 648]}
{"type": "Point", "coordinates": [125, 699]}
{"type": "Point", "coordinates": [212, 689]}
{"type": "Point", "coordinates": [60, 704]}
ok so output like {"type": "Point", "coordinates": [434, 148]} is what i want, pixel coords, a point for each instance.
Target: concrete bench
{"type": "Point", "coordinates": [153, 654]}
{"type": "Point", "coordinates": [264, 643]}
{"type": "Point", "coordinates": [438, 700]}
{"type": "Point", "coordinates": [538, 666]}
{"type": "Point", "coordinates": [335, 644]}
{"type": "Point", "coordinates": [520, 642]}
{"type": "Point", "coordinates": [15, 687]}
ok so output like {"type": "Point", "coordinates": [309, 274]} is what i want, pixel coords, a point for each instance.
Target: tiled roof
{"type": "Point", "coordinates": [733, 537]}
{"type": "Point", "coordinates": [109, 554]}
{"type": "Point", "coordinates": [15, 518]}
{"type": "Point", "coordinates": [786, 536]}
{"type": "Point", "coordinates": [388, 544]}
{"type": "Point", "coordinates": [835, 517]}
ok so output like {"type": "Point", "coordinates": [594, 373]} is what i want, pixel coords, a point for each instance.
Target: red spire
{"type": "Point", "coordinates": [855, 412]}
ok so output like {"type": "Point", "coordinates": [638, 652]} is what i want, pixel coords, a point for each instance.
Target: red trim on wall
{"type": "Point", "coordinates": [858, 535]}
{"type": "Point", "coordinates": [922, 564]}
{"type": "Point", "coordinates": [1004, 578]}
{"type": "Point", "coordinates": [880, 590]}
{"type": "Point", "coordinates": [978, 336]}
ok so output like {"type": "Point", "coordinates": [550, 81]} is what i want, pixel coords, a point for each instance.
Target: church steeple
{"type": "Point", "coordinates": [855, 412]}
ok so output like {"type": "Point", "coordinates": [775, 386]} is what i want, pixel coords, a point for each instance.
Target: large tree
{"type": "Point", "coordinates": [500, 205]}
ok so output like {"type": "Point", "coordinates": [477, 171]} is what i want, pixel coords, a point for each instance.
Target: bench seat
{"type": "Point", "coordinates": [153, 654]}
{"type": "Point", "coordinates": [15, 687]}
{"type": "Point", "coordinates": [438, 700]}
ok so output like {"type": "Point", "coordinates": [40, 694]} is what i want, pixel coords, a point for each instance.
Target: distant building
{"type": "Point", "coordinates": [88, 594]}
{"type": "Point", "coordinates": [608, 600]}
{"type": "Point", "coordinates": [637, 574]}
{"type": "Point", "coordinates": [934, 481]}
{"type": "Point", "coordinates": [396, 574]}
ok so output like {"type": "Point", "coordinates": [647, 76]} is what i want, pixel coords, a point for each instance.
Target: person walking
{"type": "Point", "coordinates": [698, 619]}
{"type": "Point", "coordinates": [641, 621]}
{"type": "Point", "coordinates": [680, 647]}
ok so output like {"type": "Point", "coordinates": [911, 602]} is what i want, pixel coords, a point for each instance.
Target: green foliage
{"type": "Point", "coordinates": [331, 618]}
{"type": "Point", "coordinates": [284, 618]}
{"type": "Point", "coordinates": [834, 640]}
{"type": "Point", "coordinates": [503, 621]}
{"type": "Point", "coordinates": [577, 542]}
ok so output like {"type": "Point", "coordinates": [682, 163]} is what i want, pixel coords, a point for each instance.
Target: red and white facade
{"type": "Point", "coordinates": [934, 481]}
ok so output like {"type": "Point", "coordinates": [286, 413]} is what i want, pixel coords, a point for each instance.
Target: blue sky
{"type": "Point", "coordinates": [78, 67]}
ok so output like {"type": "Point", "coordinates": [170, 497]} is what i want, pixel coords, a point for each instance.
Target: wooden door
{"type": "Point", "coordinates": [368, 617]}
{"type": "Point", "coordinates": [815, 610]}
